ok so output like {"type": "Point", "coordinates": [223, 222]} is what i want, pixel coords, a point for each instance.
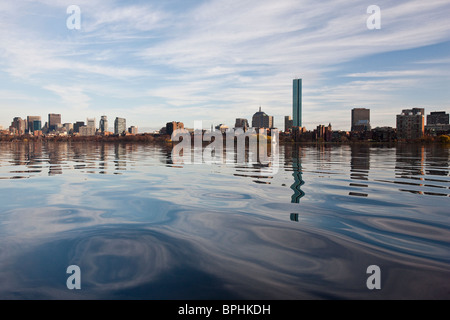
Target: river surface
{"type": "Point", "coordinates": [140, 226]}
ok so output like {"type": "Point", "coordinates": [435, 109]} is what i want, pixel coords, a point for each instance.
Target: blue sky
{"type": "Point", "coordinates": [157, 61]}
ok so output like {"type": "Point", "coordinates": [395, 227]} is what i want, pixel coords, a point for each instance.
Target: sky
{"type": "Point", "coordinates": [213, 61]}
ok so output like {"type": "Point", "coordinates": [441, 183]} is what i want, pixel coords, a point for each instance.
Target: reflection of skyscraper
{"type": "Point", "coordinates": [360, 166]}
{"type": "Point", "coordinates": [297, 174]}
{"type": "Point", "coordinates": [297, 103]}
{"type": "Point", "coordinates": [409, 165]}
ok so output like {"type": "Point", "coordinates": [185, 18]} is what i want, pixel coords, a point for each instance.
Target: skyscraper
{"type": "Point", "coordinates": [120, 125]}
{"type": "Point", "coordinates": [104, 124]}
{"type": "Point", "coordinates": [297, 103]}
{"type": "Point", "coordinates": [410, 124]}
{"type": "Point", "coordinates": [173, 126]}
{"type": "Point", "coordinates": [241, 123]}
{"type": "Point", "coordinates": [37, 125]}
{"type": "Point", "coordinates": [77, 125]}
{"type": "Point", "coordinates": [30, 122]}
{"type": "Point", "coordinates": [53, 121]}
{"type": "Point", "coordinates": [90, 122]}
{"type": "Point", "coordinates": [438, 117]}
{"type": "Point", "coordinates": [360, 119]}
{"type": "Point", "coordinates": [262, 120]}
{"type": "Point", "coordinates": [288, 122]}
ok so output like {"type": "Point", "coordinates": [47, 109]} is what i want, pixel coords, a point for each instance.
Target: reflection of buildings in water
{"type": "Point", "coordinates": [103, 163]}
{"type": "Point", "coordinates": [120, 152]}
{"type": "Point", "coordinates": [437, 160]}
{"type": "Point", "coordinates": [28, 154]}
{"type": "Point", "coordinates": [415, 162]}
{"type": "Point", "coordinates": [55, 152]}
{"type": "Point", "coordinates": [297, 174]}
{"type": "Point", "coordinates": [410, 160]}
{"type": "Point", "coordinates": [323, 157]}
{"type": "Point", "coordinates": [359, 168]}
{"type": "Point", "coordinates": [409, 164]}
{"type": "Point", "coordinates": [298, 193]}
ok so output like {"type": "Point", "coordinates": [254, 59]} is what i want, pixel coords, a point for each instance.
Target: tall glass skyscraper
{"type": "Point", "coordinates": [104, 124]}
{"type": "Point", "coordinates": [120, 125]}
{"type": "Point", "coordinates": [297, 103]}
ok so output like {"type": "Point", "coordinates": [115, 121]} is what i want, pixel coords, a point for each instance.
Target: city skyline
{"type": "Point", "coordinates": [157, 62]}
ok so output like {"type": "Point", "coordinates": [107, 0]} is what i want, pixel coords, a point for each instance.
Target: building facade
{"type": "Point", "coordinates": [68, 127]}
{"type": "Point", "coordinates": [18, 126]}
{"type": "Point", "coordinates": [30, 122]}
{"type": "Point", "coordinates": [77, 125]}
{"type": "Point", "coordinates": [411, 124]}
{"type": "Point", "coordinates": [262, 120]}
{"type": "Point", "coordinates": [297, 103]}
{"type": "Point", "coordinates": [90, 122]}
{"type": "Point", "coordinates": [37, 126]}
{"type": "Point", "coordinates": [360, 119]}
{"type": "Point", "coordinates": [87, 131]}
{"type": "Point", "coordinates": [241, 123]}
{"type": "Point", "coordinates": [173, 126]}
{"type": "Point", "coordinates": [133, 130]}
{"type": "Point", "coordinates": [103, 124]}
{"type": "Point", "coordinates": [438, 117]}
{"type": "Point", "coordinates": [54, 120]}
{"type": "Point", "coordinates": [288, 123]}
{"type": "Point", "coordinates": [120, 126]}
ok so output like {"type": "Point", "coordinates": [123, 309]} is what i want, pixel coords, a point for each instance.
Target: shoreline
{"type": "Point", "coordinates": [165, 139]}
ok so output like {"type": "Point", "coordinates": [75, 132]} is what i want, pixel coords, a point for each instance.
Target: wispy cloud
{"type": "Point", "coordinates": [220, 59]}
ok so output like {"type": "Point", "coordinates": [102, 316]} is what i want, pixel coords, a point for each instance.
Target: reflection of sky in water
{"type": "Point", "coordinates": [142, 227]}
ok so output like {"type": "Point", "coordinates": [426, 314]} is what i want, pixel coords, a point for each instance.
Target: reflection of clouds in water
{"type": "Point", "coordinates": [119, 260]}
{"type": "Point", "coordinates": [235, 248]}
{"type": "Point", "coordinates": [47, 222]}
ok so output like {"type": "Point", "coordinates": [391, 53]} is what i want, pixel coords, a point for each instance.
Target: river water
{"type": "Point", "coordinates": [140, 226]}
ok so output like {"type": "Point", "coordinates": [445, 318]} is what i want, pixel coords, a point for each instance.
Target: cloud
{"type": "Point", "coordinates": [73, 97]}
{"type": "Point", "coordinates": [222, 57]}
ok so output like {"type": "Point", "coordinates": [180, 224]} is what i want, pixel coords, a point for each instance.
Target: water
{"type": "Point", "coordinates": [141, 227]}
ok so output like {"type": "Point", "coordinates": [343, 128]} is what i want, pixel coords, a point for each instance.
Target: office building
{"type": "Point", "coordinates": [288, 123]}
{"type": "Point", "coordinates": [90, 122]}
{"type": "Point", "coordinates": [68, 127]}
{"type": "Point", "coordinates": [120, 126]}
{"type": "Point", "coordinates": [18, 126]}
{"type": "Point", "coordinates": [133, 130]}
{"type": "Point", "coordinates": [410, 124]}
{"type": "Point", "coordinates": [437, 123]}
{"type": "Point", "coordinates": [103, 124]}
{"type": "Point", "coordinates": [172, 126]}
{"type": "Point", "coordinates": [30, 122]}
{"type": "Point", "coordinates": [77, 125]}
{"type": "Point", "coordinates": [438, 117]}
{"type": "Point", "coordinates": [262, 120]}
{"type": "Point", "coordinates": [241, 123]}
{"type": "Point", "coordinates": [53, 121]}
{"type": "Point", "coordinates": [360, 119]}
{"type": "Point", "coordinates": [324, 133]}
{"type": "Point", "coordinates": [37, 125]}
{"type": "Point", "coordinates": [87, 131]}
{"type": "Point", "coordinates": [222, 128]}
{"type": "Point", "coordinates": [297, 103]}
